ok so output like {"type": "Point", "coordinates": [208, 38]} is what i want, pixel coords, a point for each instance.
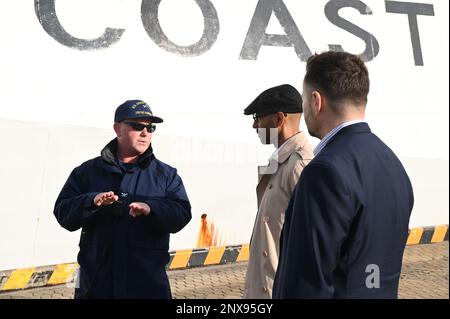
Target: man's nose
{"type": "Point", "coordinates": [255, 124]}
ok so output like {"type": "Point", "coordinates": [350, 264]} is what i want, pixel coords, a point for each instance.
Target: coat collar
{"type": "Point", "coordinates": [295, 143]}
{"type": "Point", "coordinates": [109, 152]}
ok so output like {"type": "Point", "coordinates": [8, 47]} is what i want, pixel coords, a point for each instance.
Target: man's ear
{"type": "Point", "coordinates": [317, 102]}
{"type": "Point", "coordinates": [280, 119]}
{"type": "Point", "coordinates": [116, 127]}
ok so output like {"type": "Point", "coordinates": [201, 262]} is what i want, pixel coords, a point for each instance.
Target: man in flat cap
{"type": "Point", "coordinates": [276, 113]}
{"type": "Point", "coordinates": [127, 203]}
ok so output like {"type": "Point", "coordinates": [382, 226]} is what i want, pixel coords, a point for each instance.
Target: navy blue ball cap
{"type": "Point", "coordinates": [283, 98]}
{"type": "Point", "coordinates": [135, 109]}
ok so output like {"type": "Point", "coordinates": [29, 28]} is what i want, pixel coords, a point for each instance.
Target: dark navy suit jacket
{"type": "Point", "coordinates": [346, 225]}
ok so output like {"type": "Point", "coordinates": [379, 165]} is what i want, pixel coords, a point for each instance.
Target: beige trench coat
{"type": "Point", "coordinates": [273, 193]}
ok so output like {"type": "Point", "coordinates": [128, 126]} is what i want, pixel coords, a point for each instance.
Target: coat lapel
{"type": "Point", "coordinates": [295, 144]}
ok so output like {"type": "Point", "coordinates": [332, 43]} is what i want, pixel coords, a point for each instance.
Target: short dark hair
{"type": "Point", "coordinates": [340, 76]}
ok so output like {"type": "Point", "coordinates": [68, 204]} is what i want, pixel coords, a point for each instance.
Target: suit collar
{"type": "Point", "coordinates": [361, 127]}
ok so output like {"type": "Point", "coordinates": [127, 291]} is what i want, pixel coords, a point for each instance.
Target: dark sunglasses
{"type": "Point", "coordinates": [140, 127]}
{"type": "Point", "coordinates": [257, 117]}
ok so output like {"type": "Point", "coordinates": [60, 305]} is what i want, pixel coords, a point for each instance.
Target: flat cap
{"type": "Point", "coordinates": [134, 109]}
{"type": "Point", "coordinates": [283, 98]}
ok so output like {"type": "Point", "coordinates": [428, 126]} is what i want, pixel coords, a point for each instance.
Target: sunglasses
{"type": "Point", "coordinates": [140, 127]}
{"type": "Point", "coordinates": [256, 117]}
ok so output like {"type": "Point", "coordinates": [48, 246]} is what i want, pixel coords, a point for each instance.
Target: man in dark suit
{"type": "Point", "coordinates": [346, 225]}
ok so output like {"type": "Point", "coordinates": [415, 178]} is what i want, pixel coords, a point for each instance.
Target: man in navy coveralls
{"type": "Point", "coordinates": [127, 203]}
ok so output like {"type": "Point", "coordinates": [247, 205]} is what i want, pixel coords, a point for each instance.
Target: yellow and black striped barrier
{"type": "Point", "coordinates": [427, 235]}
{"type": "Point", "coordinates": [65, 273]}
{"type": "Point", "coordinates": [180, 259]}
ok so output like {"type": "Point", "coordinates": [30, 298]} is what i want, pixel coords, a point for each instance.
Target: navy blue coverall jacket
{"type": "Point", "coordinates": [346, 225]}
{"type": "Point", "coordinates": [121, 256]}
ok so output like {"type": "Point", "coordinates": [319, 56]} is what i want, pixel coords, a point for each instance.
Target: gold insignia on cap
{"type": "Point", "coordinates": [144, 113]}
{"type": "Point", "coordinates": [139, 103]}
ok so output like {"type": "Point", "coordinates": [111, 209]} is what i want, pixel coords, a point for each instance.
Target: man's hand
{"type": "Point", "coordinates": [105, 199]}
{"type": "Point", "coordinates": [137, 209]}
